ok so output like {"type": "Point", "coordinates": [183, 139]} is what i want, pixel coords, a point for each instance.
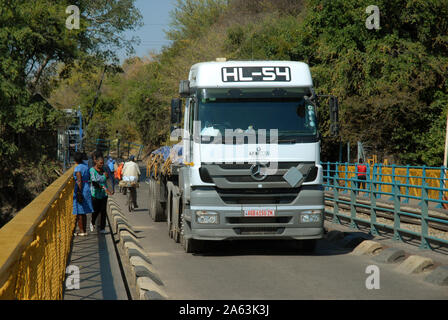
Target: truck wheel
{"type": "Point", "coordinates": [175, 229]}
{"type": "Point", "coordinates": [150, 199]}
{"type": "Point", "coordinates": [169, 219]}
{"type": "Point", "coordinates": [159, 214]}
{"type": "Point", "coordinates": [189, 245]}
{"type": "Point", "coordinates": [155, 208]}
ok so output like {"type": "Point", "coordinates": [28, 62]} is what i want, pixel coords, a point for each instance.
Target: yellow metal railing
{"type": "Point", "coordinates": [35, 244]}
{"type": "Point", "coordinates": [412, 176]}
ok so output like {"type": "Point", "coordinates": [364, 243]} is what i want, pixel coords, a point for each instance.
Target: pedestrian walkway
{"type": "Point", "coordinates": [99, 269]}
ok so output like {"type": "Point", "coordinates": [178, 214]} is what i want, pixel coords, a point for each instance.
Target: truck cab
{"type": "Point", "coordinates": [251, 154]}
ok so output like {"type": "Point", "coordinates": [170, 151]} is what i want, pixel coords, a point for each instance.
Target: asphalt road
{"type": "Point", "coordinates": [266, 269]}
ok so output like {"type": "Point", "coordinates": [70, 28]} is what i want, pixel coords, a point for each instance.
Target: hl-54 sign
{"type": "Point", "coordinates": [256, 74]}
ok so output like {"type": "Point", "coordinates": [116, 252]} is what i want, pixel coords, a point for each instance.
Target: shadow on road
{"type": "Point", "coordinates": [268, 248]}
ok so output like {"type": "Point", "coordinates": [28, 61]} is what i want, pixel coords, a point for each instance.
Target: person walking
{"type": "Point", "coordinates": [91, 160]}
{"type": "Point", "coordinates": [361, 170]}
{"type": "Point", "coordinates": [111, 171]}
{"type": "Point", "coordinates": [85, 159]}
{"type": "Point", "coordinates": [131, 173]}
{"type": "Point", "coordinates": [82, 199]}
{"type": "Point", "coordinates": [119, 173]}
{"type": "Point", "coordinates": [93, 156]}
{"type": "Point", "coordinates": [100, 192]}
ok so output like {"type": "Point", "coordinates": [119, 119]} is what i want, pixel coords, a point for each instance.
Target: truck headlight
{"type": "Point", "coordinates": [207, 217]}
{"type": "Point", "coordinates": [311, 216]}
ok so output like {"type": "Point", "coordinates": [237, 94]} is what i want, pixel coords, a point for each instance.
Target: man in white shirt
{"type": "Point", "coordinates": [131, 172]}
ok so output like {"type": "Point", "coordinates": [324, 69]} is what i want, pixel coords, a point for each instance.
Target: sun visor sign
{"type": "Point", "coordinates": [256, 74]}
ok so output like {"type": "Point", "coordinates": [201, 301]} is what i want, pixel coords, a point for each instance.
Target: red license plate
{"type": "Point", "coordinates": [259, 212]}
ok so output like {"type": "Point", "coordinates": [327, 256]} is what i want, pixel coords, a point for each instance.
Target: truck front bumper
{"type": "Point", "coordinates": [232, 224]}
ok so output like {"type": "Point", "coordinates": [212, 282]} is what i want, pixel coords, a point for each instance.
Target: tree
{"type": "Point", "coordinates": [34, 43]}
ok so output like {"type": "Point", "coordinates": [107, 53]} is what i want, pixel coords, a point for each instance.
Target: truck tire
{"type": "Point", "coordinates": [159, 213]}
{"type": "Point", "coordinates": [175, 225]}
{"type": "Point", "coordinates": [189, 245]}
{"type": "Point", "coordinates": [156, 209]}
{"type": "Point", "coordinates": [150, 199]}
{"type": "Point", "coordinates": [169, 219]}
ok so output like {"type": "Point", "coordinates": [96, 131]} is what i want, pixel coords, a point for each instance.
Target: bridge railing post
{"type": "Point", "coordinates": [379, 179]}
{"type": "Point", "coordinates": [441, 186]}
{"type": "Point", "coordinates": [353, 223]}
{"type": "Point", "coordinates": [397, 222]}
{"type": "Point", "coordinates": [373, 228]}
{"type": "Point", "coordinates": [406, 199]}
{"type": "Point", "coordinates": [335, 201]}
{"type": "Point", "coordinates": [424, 244]}
{"type": "Point", "coordinates": [346, 178]}
{"type": "Point", "coordinates": [423, 182]}
{"type": "Point", "coordinates": [393, 183]}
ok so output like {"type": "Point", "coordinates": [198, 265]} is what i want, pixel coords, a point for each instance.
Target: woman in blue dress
{"type": "Point", "coordinates": [82, 198]}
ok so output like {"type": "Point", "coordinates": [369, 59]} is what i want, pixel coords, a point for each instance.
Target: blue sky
{"type": "Point", "coordinates": [156, 18]}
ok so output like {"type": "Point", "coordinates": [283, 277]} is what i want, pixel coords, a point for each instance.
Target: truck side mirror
{"type": "Point", "coordinates": [184, 88]}
{"type": "Point", "coordinates": [176, 111]}
{"type": "Point", "coordinates": [334, 116]}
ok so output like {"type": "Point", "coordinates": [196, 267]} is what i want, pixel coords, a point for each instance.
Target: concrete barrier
{"type": "Point", "coordinates": [145, 279]}
{"type": "Point", "coordinates": [149, 290]}
{"type": "Point", "coordinates": [367, 247]}
{"type": "Point", "coordinates": [415, 264]}
{"type": "Point", "coordinates": [144, 269]}
{"type": "Point", "coordinates": [438, 276]}
{"type": "Point", "coordinates": [390, 255]}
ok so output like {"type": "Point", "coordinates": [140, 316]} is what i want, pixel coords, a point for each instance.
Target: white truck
{"type": "Point", "coordinates": [250, 165]}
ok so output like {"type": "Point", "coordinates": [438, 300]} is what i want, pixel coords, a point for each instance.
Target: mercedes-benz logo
{"type": "Point", "coordinates": [257, 172]}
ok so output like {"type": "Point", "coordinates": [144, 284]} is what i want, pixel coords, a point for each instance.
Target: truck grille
{"type": "Point", "coordinates": [258, 230]}
{"type": "Point", "coordinates": [258, 196]}
{"type": "Point", "coordinates": [238, 175]}
{"type": "Point", "coordinates": [250, 179]}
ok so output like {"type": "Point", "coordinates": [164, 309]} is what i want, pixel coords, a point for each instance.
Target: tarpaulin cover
{"type": "Point", "coordinates": [175, 152]}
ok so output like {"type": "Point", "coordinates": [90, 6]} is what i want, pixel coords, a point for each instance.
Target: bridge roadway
{"type": "Point", "coordinates": [266, 269]}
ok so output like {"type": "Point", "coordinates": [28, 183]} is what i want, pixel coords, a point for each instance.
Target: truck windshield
{"type": "Point", "coordinates": [291, 115]}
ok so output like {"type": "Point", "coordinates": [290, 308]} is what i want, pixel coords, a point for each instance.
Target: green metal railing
{"type": "Point", "coordinates": [343, 182]}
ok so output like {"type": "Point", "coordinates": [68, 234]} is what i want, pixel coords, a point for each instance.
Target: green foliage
{"type": "Point", "coordinates": [34, 44]}
{"type": "Point", "coordinates": [387, 79]}
{"type": "Point", "coordinates": [391, 82]}
{"type": "Point", "coordinates": [192, 18]}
